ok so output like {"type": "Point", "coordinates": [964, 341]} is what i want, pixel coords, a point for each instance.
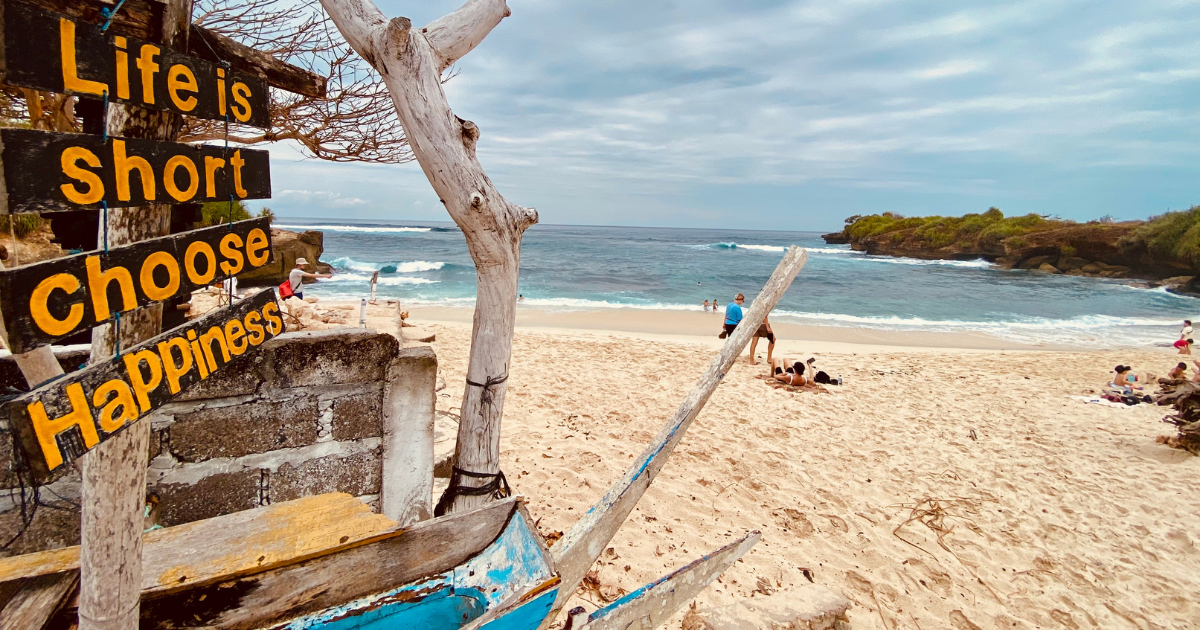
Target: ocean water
{"type": "Point", "coordinates": [572, 267]}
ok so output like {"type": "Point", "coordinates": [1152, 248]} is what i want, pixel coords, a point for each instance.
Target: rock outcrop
{"type": "Point", "coordinates": [288, 246]}
{"type": "Point", "coordinates": [1086, 249]}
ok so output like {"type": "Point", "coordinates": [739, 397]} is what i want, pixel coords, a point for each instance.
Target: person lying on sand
{"type": "Point", "coordinates": [788, 371]}
{"type": "Point", "coordinates": [817, 375]}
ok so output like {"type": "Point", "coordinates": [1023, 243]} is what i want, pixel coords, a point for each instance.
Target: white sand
{"type": "Point", "coordinates": [1053, 512]}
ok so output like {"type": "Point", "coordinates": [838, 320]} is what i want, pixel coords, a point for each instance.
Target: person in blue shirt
{"type": "Point", "coordinates": [733, 315]}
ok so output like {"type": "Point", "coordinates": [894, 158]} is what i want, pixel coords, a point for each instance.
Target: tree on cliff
{"type": "Point", "coordinates": [412, 62]}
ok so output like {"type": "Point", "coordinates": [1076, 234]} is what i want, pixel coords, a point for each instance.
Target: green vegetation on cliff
{"type": "Point", "coordinates": [218, 212]}
{"type": "Point", "coordinates": [978, 229]}
{"type": "Point", "coordinates": [1171, 236]}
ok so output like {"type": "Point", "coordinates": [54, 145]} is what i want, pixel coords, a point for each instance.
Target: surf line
{"type": "Point", "coordinates": [63, 419]}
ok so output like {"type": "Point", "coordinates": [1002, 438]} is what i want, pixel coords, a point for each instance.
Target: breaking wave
{"type": "Point", "coordinates": [354, 228]}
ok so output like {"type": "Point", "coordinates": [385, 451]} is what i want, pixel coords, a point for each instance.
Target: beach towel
{"type": "Point", "coordinates": [1097, 400]}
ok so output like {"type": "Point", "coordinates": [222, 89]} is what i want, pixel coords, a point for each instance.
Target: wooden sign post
{"type": "Point", "coordinates": [51, 171]}
{"type": "Point", "coordinates": [59, 297]}
{"type": "Point", "coordinates": [80, 59]}
{"type": "Point", "coordinates": [62, 420]}
{"type": "Point", "coordinates": [139, 66]}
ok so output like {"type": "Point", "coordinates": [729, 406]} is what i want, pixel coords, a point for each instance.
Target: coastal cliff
{"type": "Point", "coordinates": [1163, 251]}
{"type": "Point", "coordinates": [287, 247]}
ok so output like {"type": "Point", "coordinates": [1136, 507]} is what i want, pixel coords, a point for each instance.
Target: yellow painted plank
{"type": "Point", "coordinates": [234, 544]}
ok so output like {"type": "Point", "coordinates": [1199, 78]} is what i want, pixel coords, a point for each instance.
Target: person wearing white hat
{"type": "Point", "coordinates": [298, 274]}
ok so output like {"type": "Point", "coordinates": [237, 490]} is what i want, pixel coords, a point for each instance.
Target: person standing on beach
{"type": "Point", "coordinates": [764, 330]}
{"type": "Point", "coordinates": [733, 315]}
{"type": "Point", "coordinates": [1184, 345]}
{"type": "Point", "coordinates": [297, 275]}
{"type": "Point", "coordinates": [705, 306]}
{"type": "Point", "coordinates": [714, 304]}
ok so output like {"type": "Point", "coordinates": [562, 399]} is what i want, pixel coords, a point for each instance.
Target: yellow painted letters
{"type": "Point", "coordinates": [46, 429]}
{"type": "Point", "coordinates": [229, 249]}
{"type": "Point", "coordinates": [123, 164]}
{"type": "Point", "coordinates": [98, 282]}
{"type": "Point", "coordinates": [109, 420]}
{"type": "Point", "coordinates": [95, 192]}
{"type": "Point", "coordinates": [153, 291]}
{"type": "Point", "coordinates": [70, 71]}
{"type": "Point", "coordinates": [180, 78]}
{"type": "Point", "coordinates": [40, 310]}
{"type": "Point", "coordinates": [146, 64]}
{"type": "Point", "coordinates": [175, 372]}
{"type": "Point", "coordinates": [172, 187]}
{"type": "Point", "coordinates": [141, 385]}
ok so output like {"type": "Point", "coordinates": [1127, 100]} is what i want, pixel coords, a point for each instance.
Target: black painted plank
{"type": "Point", "coordinates": [47, 170]}
{"type": "Point", "coordinates": [53, 299]}
{"type": "Point", "coordinates": [47, 51]}
{"type": "Point", "coordinates": [63, 419]}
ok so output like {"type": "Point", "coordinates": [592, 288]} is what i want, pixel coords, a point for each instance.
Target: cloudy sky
{"type": "Point", "coordinates": [794, 115]}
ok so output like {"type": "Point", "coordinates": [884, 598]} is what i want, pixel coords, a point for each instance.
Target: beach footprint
{"type": "Point", "coordinates": [794, 521]}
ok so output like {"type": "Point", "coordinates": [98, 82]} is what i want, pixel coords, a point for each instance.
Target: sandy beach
{"type": "Point", "coordinates": [948, 484]}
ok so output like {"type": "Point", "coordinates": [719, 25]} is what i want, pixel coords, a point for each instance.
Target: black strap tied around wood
{"type": "Point", "coordinates": [488, 394]}
{"type": "Point", "coordinates": [496, 487]}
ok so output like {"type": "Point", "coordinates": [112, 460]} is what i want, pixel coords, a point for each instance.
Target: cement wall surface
{"type": "Point", "coordinates": [309, 413]}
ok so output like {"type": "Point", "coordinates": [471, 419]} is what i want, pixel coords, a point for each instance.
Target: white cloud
{"type": "Point", "coordinates": [588, 109]}
{"type": "Point", "coordinates": [950, 69]}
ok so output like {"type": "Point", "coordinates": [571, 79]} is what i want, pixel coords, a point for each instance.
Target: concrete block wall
{"type": "Point", "coordinates": [342, 410]}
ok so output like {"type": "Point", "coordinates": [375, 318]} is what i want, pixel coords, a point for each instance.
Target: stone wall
{"type": "Point", "coordinates": [342, 410]}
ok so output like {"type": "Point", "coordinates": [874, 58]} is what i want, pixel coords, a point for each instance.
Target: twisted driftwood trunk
{"type": "Point", "coordinates": [1184, 396]}
{"type": "Point", "coordinates": [411, 62]}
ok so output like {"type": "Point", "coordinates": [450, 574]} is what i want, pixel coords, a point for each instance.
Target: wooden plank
{"type": "Point", "coordinates": [59, 297]}
{"type": "Point", "coordinates": [63, 419]}
{"type": "Point", "coordinates": [50, 52]}
{"type": "Point", "coordinates": [260, 64]}
{"type": "Point", "coordinates": [140, 19]}
{"type": "Point", "coordinates": [267, 598]}
{"type": "Point", "coordinates": [37, 601]}
{"type": "Point", "coordinates": [232, 545]}
{"type": "Point", "coordinates": [45, 170]}
{"type": "Point", "coordinates": [650, 606]}
{"type": "Point", "coordinates": [575, 552]}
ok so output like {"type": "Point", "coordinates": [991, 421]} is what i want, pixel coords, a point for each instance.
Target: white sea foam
{"type": "Point", "coordinates": [414, 266]}
{"type": "Point", "coordinates": [353, 228]}
{"type": "Point", "coordinates": [832, 250]}
{"type": "Point", "coordinates": [383, 280]}
{"type": "Point", "coordinates": [970, 264]}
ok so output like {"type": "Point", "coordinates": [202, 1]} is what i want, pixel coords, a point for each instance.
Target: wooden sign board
{"type": "Point", "coordinates": [48, 171]}
{"type": "Point", "coordinates": [47, 51]}
{"type": "Point", "coordinates": [65, 418]}
{"type": "Point", "coordinates": [53, 299]}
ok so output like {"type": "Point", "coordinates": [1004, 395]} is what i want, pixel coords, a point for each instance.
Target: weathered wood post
{"type": "Point", "coordinates": [114, 474]}
{"type": "Point", "coordinates": [411, 62]}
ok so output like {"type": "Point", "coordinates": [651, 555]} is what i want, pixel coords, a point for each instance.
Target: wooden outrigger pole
{"type": "Point", "coordinates": [578, 549]}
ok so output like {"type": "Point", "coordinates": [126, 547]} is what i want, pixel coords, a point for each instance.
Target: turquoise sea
{"type": "Point", "coordinates": [588, 268]}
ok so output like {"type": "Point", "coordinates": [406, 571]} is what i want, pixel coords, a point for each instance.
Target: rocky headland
{"type": "Point", "coordinates": [1159, 252]}
{"type": "Point", "coordinates": [287, 247]}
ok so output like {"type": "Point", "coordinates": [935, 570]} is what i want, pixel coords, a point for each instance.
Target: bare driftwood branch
{"type": "Point", "coordinates": [411, 62]}
{"type": "Point", "coordinates": [354, 121]}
